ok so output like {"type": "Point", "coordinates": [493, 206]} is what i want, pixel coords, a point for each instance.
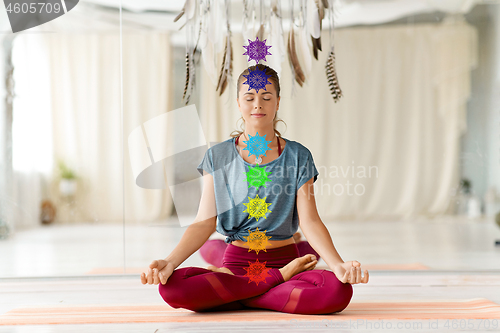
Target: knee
{"type": "Point", "coordinates": [339, 294]}
{"type": "Point", "coordinates": [343, 296]}
{"type": "Point", "coordinates": [171, 291]}
{"type": "Point", "coordinates": [175, 290]}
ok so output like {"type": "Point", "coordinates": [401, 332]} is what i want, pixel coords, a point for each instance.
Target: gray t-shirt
{"type": "Point", "coordinates": [271, 208]}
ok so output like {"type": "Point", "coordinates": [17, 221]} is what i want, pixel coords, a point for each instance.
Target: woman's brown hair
{"type": "Point", "coordinates": [276, 82]}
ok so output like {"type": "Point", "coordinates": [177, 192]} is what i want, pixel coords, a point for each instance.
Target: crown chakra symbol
{"type": "Point", "coordinates": [257, 50]}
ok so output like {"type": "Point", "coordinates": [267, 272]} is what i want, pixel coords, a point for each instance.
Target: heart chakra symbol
{"type": "Point", "coordinates": [257, 176]}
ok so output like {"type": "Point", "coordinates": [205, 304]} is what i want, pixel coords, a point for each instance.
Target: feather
{"type": "Point", "coordinates": [189, 8]}
{"type": "Point", "coordinates": [207, 48]}
{"type": "Point", "coordinates": [274, 7]}
{"type": "Point", "coordinates": [299, 75]}
{"type": "Point", "coordinates": [315, 48]}
{"type": "Point", "coordinates": [187, 76]}
{"type": "Point", "coordinates": [260, 33]}
{"type": "Point", "coordinates": [222, 76]}
{"type": "Point", "coordinates": [275, 39]}
{"type": "Point", "coordinates": [325, 3]}
{"type": "Point", "coordinates": [332, 77]}
{"type": "Point", "coordinates": [313, 21]}
{"type": "Point", "coordinates": [198, 40]}
{"type": "Point", "coordinates": [321, 11]}
{"type": "Point", "coordinates": [305, 52]}
{"type": "Point", "coordinates": [179, 15]}
{"type": "Point", "coordinates": [290, 62]}
{"type": "Point", "coordinates": [227, 66]}
{"type": "Point", "coordinates": [192, 78]}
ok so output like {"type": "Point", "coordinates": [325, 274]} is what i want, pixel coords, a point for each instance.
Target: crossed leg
{"type": "Point", "coordinates": [309, 292]}
{"type": "Point", "coordinates": [200, 289]}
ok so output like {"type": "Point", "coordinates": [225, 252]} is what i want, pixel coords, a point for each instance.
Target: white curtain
{"type": "Point", "coordinates": [83, 119]}
{"type": "Point", "coordinates": [390, 147]}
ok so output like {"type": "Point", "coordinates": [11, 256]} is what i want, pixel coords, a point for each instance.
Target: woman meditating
{"type": "Point", "coordinates": [259, 186]}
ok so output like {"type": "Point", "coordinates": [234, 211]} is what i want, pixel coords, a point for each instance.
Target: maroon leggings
{"type": "Point", "coordinates": [310, 292]}
{"type": "Point", "coordinates": [213, 251]}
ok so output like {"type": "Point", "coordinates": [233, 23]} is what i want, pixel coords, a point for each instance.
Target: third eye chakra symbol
{"type": "Point", "coordinates": [257, 79]}
{"type": "Point", "coordinates": [257, 50]}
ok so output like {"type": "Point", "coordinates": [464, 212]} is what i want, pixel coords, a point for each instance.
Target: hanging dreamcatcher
{"type": "Point", "coordinates": [206, 17]}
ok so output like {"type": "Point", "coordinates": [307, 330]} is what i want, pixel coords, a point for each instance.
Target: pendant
{"type": "Point", "coordinates": [258, 160]}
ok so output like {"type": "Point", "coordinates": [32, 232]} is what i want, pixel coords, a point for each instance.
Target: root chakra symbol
{"type": "Point", "coordinates": [257, 176]}
{"type": "Point", "coordinates": [257, 145]}
{"type": "Point", "coordinates": [257, 240]}
{"type": "Point", "coordinates": [257, 207]}
{"type": "Point", "coordinates": [257, 50]}
{"type": "Point", "coordinates": [257, 79]}
{"type": "Point", "coordinates": [257, 272]}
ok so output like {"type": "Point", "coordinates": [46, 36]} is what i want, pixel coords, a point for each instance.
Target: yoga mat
{"type": "Point", "coordinates": [477, 308]}
{"type": "Point", "coordinates": [374, 267]}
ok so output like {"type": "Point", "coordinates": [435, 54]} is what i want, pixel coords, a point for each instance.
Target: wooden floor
{"type": "Point", "coordinates": [49, 266]}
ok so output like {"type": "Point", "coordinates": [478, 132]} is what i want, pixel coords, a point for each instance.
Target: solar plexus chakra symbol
{"type": "Point", "coordinates": [257, 79]}
{"type": "Point", "coordinates": [257, 176]}
{"type": "Point", "coordinates": [257, 272]}
{"type": "Point", "coordinates": [257, 240]}
{"type": "Point", "coordinates": [257, 207]}
{"type": "Point", "coordinates": [257, 50]}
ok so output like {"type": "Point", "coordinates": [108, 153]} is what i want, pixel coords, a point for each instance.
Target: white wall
{"type": "Point", "coordinates": [481, 143]}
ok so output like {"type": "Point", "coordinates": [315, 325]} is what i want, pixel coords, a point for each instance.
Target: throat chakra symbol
{"type": "Point", "coordinates": [257, 145]}
{"type": "Point", "coordinates": [257, 50]}
{"type": "Point", "coordinates": [257, 207]}
{"type": "Point", "coordinates": [257, 272]}
{"type": "Point", "coordinates": [257, 79]}
{"type": "Point", "coordinates": [257, 176]}
{"type": "Point", "coordinates": [257, 240]}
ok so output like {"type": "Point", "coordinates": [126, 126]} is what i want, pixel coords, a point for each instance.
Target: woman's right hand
{"type": "Point", "coordinates": [159, 271]}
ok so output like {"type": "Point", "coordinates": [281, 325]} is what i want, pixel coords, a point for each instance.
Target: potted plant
{"type": "Point", "coordinates": [67, 184]}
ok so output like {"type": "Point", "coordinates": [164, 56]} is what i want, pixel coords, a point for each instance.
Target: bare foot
{"type": "Point", "coordinates": [298, 265]}
{"type": "Point", "coordinates": [297, 236]}
{"type": "Point", "coordinates": [219, 269]}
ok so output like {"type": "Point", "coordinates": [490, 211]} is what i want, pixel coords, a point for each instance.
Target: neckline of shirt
{"type": "Point", "coordinates": [243, 160]}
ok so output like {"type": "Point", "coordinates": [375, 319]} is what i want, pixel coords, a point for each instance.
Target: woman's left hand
{"type": "Point", "coordinates": [350, 272]}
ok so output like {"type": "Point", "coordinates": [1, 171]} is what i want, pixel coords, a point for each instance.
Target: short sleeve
{"type": "Point", "coordinates": [206, 163]}
{"type": "Point", "coordinates": [307, 171]}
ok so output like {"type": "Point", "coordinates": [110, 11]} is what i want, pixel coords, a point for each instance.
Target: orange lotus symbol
{"type": "Point", "coordinates": [257, 240]}
{"type": "Point", "coordinates": [257, 272]}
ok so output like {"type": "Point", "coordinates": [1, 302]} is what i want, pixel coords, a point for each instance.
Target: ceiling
{"type": "Point", "coordinates": [159, 14]}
